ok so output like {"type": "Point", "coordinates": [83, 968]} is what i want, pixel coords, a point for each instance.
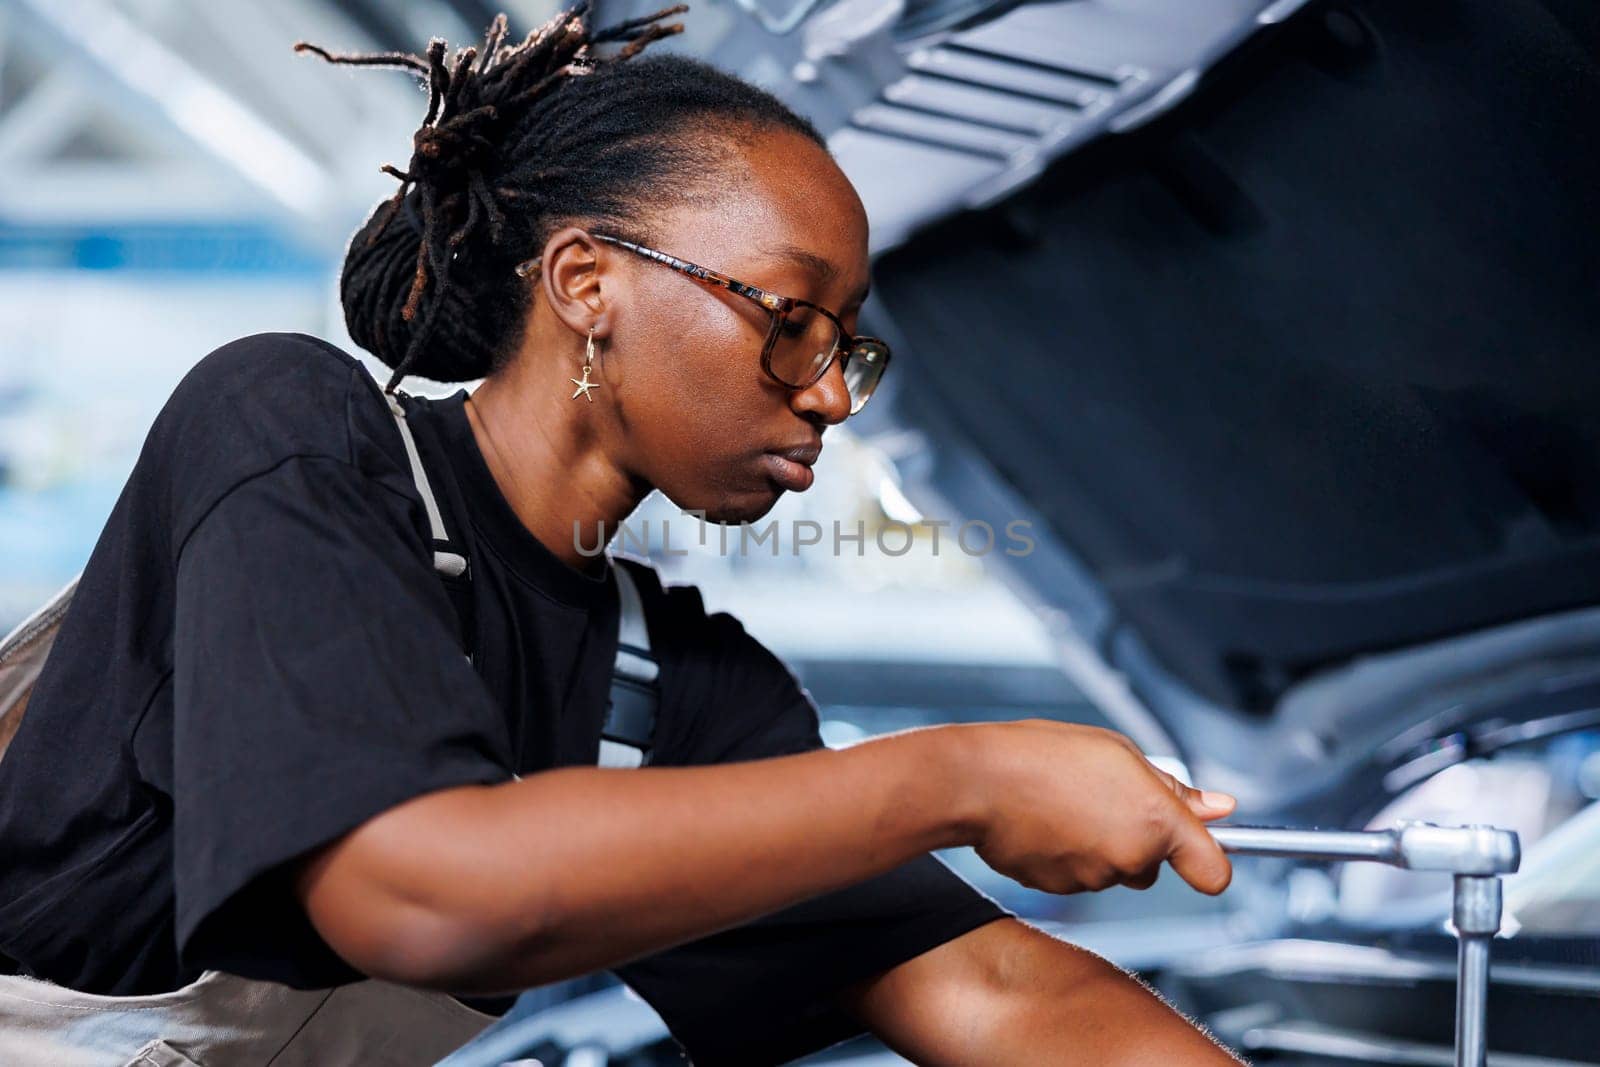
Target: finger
{"type": "Point", "coordinates": [1197, 857]}
{"type": "Point", "coordinates": [1103, 877]}
{"type": "Point", "coordinates": [1145, 878]}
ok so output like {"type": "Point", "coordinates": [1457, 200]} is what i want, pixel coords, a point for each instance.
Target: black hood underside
{"type": "Point", "coordinates": [1311, 367]}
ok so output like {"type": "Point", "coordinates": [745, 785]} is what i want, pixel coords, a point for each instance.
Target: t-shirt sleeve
{"type": "Point", "coordinates": [765, 992]}
{"type": "Point", "coordinates": [318, 680]}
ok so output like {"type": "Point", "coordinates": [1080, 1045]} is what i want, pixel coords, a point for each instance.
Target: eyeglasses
{"type": "Point", "coordinates": [803, 339]}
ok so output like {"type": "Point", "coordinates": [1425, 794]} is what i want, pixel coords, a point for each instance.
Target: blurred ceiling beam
{"type": "Point", "coordinates": [144, 111]}
{"type": "Point", "coordinates": [176, 93]}
{"type": "Point", "coordinates": [42, 120]}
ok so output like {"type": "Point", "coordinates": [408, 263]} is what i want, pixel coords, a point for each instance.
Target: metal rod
{"type": "Point", "coordinates": [1476, 916]}
{"type": "Point", "coordinates": [1381, 846]}
{"type": "Point", "coordinates": [1472, 991]}
{"type": "Point", "coordinates": [1476, 855]}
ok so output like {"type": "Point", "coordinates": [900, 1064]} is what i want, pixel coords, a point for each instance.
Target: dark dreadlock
{"type": "Point", "coordinates": [519, 138]}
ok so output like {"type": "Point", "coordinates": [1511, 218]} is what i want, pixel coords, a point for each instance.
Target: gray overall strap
{"type": "Point", "coordinates": [628, 734]}
{"type": "Point", "coordinates": [445, 560]}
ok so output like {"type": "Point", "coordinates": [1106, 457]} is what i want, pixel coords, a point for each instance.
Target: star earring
{"type": "Point", "coordinates": [585, 385]}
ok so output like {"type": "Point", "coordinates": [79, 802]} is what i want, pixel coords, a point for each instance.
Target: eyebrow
{"type": "Point", "coordinates": [817, 264]}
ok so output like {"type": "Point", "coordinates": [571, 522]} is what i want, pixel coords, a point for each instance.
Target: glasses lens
{"type": "Point", "coordinates": [863, 368]}
{"type": "Point", "coordinates": [805, 341]}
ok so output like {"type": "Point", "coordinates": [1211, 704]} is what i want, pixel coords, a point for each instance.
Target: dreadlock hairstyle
{"type": "Point", "coordinates": [520, 138]}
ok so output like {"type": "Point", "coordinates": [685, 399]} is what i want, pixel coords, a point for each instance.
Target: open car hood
{"type": "Point", "coordinates": [1300, 387]}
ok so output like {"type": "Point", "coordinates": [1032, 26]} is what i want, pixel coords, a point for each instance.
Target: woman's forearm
{"type": "Point", "coordinates": [492, 888]}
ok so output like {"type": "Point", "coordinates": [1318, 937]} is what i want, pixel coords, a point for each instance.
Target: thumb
{"type": "Point", "coordinates": [1209, 805]}
{"type": "Point", "coordinates": [1197, 857]}
{"type": "Point", "coordinates": [1204, 803]}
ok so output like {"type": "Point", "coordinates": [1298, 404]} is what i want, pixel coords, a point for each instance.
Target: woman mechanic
{"type": "Point", "coordinates": [257, 748]}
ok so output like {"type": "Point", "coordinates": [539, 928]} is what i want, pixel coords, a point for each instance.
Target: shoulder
{"type": "Point", "coordinates": [267, 391]}
{"type": "Point", "coordinates": [250, 405]}
{"type": "Point", "coordinates": [258, 359]}
{"type": "Point", "coordinates": [265, 366]}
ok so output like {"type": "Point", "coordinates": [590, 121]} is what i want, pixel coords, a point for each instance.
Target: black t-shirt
{"type": "Point", "coordinates": [260, 656]}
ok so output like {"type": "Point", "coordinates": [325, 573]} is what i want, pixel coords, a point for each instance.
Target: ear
{"type": "Point", "coordinates": [575, 278]}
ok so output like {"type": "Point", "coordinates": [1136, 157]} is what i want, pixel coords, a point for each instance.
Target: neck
{"type": "Point", "coordinates": [545, 452]}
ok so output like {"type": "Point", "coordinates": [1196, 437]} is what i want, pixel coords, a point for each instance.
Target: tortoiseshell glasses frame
{"type": "Point", "coordinates": [870, 354]}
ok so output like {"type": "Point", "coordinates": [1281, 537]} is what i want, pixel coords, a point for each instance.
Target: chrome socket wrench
{"type": "Point", "coordinates": [1475, 855]}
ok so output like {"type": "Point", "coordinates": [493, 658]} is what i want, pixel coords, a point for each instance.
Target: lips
{"type": "Point", "coordinates": [795, 477]}
{"type": "Point", "coordinates": [806, 453]}
{"type": "Point", "coordinates": [791, 467]}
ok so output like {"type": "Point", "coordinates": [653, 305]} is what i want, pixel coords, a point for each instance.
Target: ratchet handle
{"type": "Point", "coordinates": [1417, 846]}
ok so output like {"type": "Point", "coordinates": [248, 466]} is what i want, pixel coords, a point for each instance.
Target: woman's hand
{"type": "Point", "coordinates": [1064, 807]}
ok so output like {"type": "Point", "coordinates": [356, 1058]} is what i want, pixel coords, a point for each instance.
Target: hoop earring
{"type": "Point", "coordinates": [585, 385]}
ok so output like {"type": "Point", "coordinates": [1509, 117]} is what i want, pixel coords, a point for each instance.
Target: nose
{"type": "Point", "coordinates": [827, 398]}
